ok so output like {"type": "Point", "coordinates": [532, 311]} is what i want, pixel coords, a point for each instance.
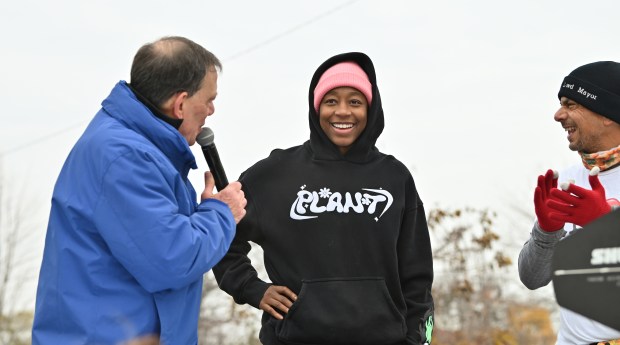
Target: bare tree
{"type": "Point", "coordinates": [470, 292]}
{"type": "Point", "coordinates": [224, 322]}
{"type": "Point", "coordinates": [15, 231]}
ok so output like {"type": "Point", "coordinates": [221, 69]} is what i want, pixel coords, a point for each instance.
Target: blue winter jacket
{"type": "Point", "coordinates": [127, 244]}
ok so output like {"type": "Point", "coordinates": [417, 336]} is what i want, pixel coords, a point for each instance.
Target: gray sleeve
{"type": "Point", "coordinates": [535, 257]}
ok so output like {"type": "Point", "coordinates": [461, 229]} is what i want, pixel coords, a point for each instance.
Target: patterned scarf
{"type": "Point", "coordinates": [602, 159]}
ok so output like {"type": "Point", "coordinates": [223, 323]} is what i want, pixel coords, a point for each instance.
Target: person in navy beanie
{"type": "Point", "coordinates": [590, 114]}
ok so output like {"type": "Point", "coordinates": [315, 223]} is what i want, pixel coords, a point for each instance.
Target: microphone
{"type": "Point", "coordinates": [206, 140]}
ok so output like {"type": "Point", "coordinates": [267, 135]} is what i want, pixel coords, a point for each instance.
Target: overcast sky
{"type": "Point", "coordinates": [469, 87]}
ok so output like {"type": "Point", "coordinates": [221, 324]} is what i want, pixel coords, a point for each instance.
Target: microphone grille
{"type": "Point", "coordinates": [205, 137]}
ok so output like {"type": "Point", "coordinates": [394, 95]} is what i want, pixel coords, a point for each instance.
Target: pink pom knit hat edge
{"type": "Point", "coordinates": [342, 74]}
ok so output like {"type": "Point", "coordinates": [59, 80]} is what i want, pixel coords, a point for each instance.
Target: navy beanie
{"type": "Point", "coordinates": [595, 86]}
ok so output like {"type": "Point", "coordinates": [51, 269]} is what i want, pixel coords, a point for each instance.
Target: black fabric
{"type": "Point", "coordinates": [312, 319]}
{"type": "Point", "coordinates": [176, 123]}
{"type": "Point", "coordinates": [347, 233]}
{"type": "Point", "coordinates": [596, 86]}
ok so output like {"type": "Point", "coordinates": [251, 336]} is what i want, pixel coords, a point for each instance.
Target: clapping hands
{"type": "Point", "coordinates": [570, 203]}
{"type": "Point", "coordinates": [577, 205]}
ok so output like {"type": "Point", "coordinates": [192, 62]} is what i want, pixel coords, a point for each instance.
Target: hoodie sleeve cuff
{"type": "Point", "coordinates": [255, 291]}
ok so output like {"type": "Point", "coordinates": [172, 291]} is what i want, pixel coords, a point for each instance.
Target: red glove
{"type": "Point", "coordinates": [541, 196]}
{"type": "Point", "coordinates": [577, 205]}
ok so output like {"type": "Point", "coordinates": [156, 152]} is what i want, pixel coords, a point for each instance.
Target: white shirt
{"type": "Point", "coordinates": [576, 328]}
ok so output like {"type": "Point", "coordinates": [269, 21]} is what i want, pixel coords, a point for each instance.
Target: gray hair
{"type": "Point", "coordinates": [170, 65]}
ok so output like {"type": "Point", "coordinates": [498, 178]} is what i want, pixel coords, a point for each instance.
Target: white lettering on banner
{"type": "Point", "coordinates": [586, 93]}
{"type": "Point", "coordinates": [308, 204]}
{"type": "Point", "coordinates": [605, 256]}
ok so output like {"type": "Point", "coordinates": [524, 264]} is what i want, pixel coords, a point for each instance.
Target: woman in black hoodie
{"type": "Point", "coordinates": [343, 230]}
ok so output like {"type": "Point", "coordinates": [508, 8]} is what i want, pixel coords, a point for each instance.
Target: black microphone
{"type": "Point", "coordinates": [206, 140]}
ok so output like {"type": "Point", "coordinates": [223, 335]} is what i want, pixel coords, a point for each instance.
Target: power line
{"type": "Point", "coordinates": [230, 58]}
{"type": "Point", "coordinates": [41, 139]}
{"type": "Point", "coordinates": [290, 31]}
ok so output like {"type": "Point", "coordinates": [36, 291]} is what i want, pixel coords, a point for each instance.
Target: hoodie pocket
{"type": "Point", "coordinates": [343, 311]}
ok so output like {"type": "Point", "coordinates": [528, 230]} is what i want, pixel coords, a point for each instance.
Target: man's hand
{"type": "Point", "coordinates": [232, 195]}
{"type": "Point", "coordinates": [578, 205]}
{"type": "Point", "coordinates": [546, 183]}
{"type": "Point", "coordinates": [277, 297]}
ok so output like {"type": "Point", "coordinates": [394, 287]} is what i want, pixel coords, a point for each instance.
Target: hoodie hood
{"type": "Point", "coordinates": [363, 149]}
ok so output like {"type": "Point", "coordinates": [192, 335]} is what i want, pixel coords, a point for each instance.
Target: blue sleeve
{"type": "Point", "coordinates": [147, 218]}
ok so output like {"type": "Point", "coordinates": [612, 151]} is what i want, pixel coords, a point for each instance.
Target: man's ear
{"type": "Point", "coordinates": [174, 106]}
{"type": "Point", "coordinates": [178, 102]}
{"type": "Point", "coordinates": [608, 122]}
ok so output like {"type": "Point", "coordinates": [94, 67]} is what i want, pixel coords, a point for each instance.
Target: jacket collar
{"type": "Point", "coordinates": [123, 105]}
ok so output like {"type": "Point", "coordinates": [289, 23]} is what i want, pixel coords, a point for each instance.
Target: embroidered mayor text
{"type": "Point", "coordinates": [586, 93]}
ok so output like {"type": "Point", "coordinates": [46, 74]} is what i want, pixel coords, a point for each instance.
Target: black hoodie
{"type": "Point", "coordinates": [347, 233]}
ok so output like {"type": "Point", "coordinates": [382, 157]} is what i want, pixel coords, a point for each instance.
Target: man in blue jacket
{"type": "Point", "coordinates": [127, 243]}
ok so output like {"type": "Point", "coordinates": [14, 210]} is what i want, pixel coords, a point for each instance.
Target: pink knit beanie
{"type": "Point", "coordinates": [342, 74]}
